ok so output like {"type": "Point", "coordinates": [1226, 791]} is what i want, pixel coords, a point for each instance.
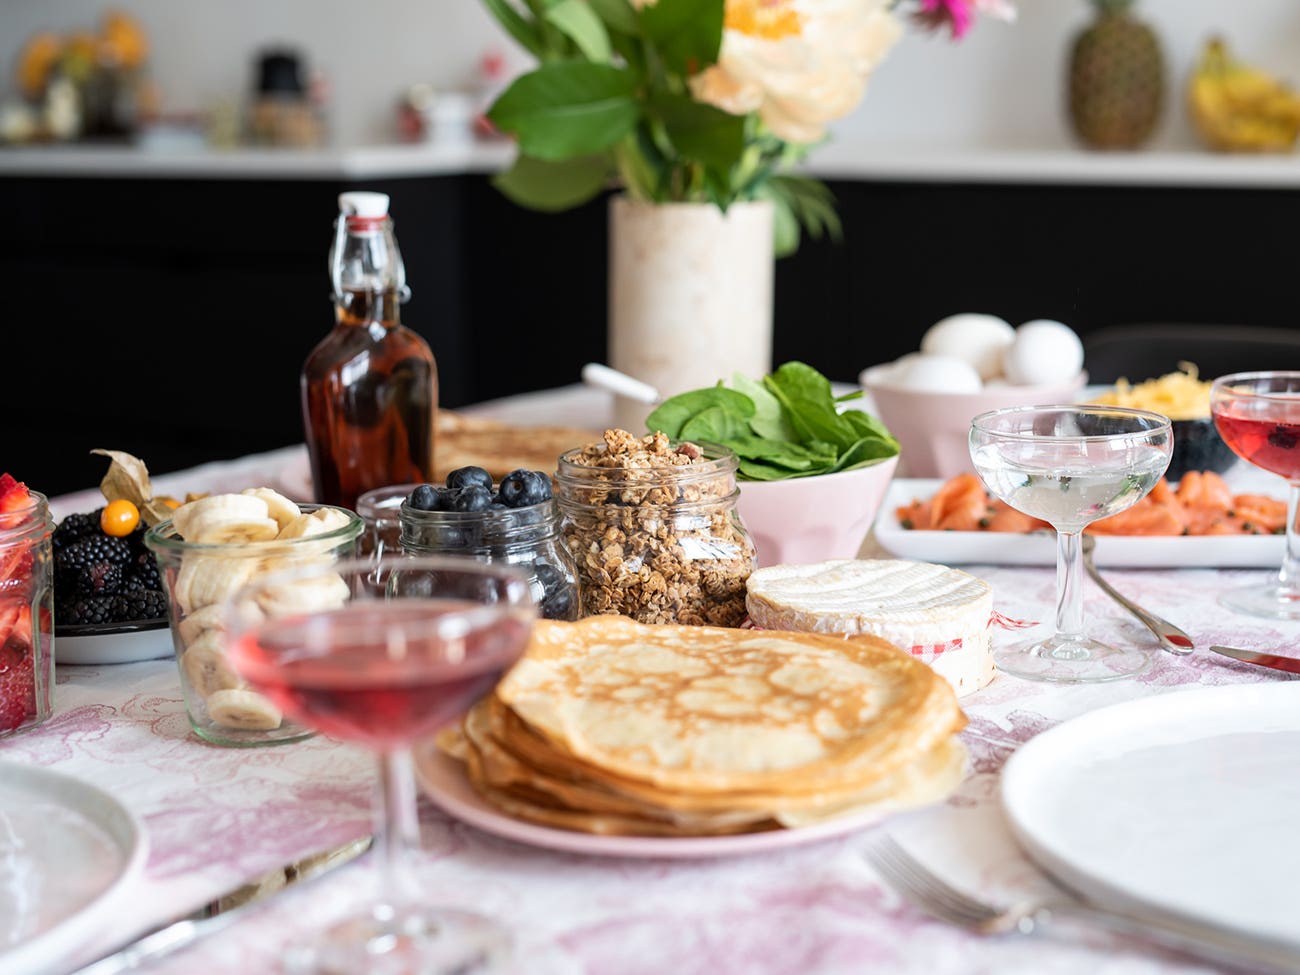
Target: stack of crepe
{"type": "Point", "coordinates": [463, 440]}
{"type": "Point", "coordinates": [613, 727]}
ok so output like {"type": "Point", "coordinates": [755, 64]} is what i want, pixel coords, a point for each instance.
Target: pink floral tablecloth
{"type": "Point", "coordinates": [217, 816]}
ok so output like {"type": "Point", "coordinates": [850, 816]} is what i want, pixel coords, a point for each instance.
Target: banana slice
{"type": "Point", "coordinates": [312, 523]}
{"type": "Point", "coordinates": [243, 709]}
{"type": "Point", "coordinates": [207, 668]}
{"type": "Point", "coordinates": [204, 619]}
{"type": "Point", "coordinates": [216, 529]}
{"type": "Point", "coordinates": [217, 508]}
{"type": "Point", "coordinates": [304, 596]}
{"type": "Point", "coordinates": [207, 579]}
{"type": "Point", "coordinates": [277, 505]}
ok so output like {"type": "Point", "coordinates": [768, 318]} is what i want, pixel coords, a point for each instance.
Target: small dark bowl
{"type": "Point", "coordinates": [1198, 447]}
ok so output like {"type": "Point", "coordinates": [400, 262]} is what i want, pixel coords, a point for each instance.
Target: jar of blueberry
{"type": "Point", "coordinates": [516, 522]}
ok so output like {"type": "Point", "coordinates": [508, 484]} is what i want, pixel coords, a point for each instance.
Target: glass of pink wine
{"type": "Point", "coordinates": [380, 653]}
{"type": "Point", "coordinates": [1258, 415]}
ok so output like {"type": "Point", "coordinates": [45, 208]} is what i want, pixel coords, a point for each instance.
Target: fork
{"type": "Point", "coordinates": [947, 903]}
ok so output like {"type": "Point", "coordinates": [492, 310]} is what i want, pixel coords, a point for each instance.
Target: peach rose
{"type": "Point", "coordinates": [799, 63]}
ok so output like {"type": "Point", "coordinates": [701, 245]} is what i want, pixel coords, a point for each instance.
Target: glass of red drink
{"type": "Point", "coordinates": [1258, 415]}
{"type": "Point", "coordinates": [410, 644]}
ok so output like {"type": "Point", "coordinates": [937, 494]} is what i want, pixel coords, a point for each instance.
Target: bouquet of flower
{"type": "Point", "coordinates": [695, 100]}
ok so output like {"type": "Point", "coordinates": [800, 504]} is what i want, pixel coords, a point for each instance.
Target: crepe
{"type": "Point", "coordinates": [611, 726]}
{"type": "Point", "coordinates": [499, 448]}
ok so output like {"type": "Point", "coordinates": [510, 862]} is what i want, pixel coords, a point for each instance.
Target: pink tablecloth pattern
{"type": "Point", "coordinates": [216, 816]}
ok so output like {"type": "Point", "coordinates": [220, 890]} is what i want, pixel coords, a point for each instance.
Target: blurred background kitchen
{"type": "Point", "coordinates": [169, 174]}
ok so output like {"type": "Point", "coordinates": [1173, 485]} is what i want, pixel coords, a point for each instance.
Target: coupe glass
{"type": "Point", "coordinates": [379, 653]}
{"type": "Point", "coordinates": [1070, 466]}
{"type": "Point", "coordinates": [1258, 415]}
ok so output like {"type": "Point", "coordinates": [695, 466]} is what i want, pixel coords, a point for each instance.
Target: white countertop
{"type": "Point", "coordinates": [847, 160]}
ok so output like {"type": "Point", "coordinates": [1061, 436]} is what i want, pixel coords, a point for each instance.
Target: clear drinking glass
{"type": "Point", "coordinates": [1070, 466]}
{"type": "Point", "coordinates": [411, 643]}
{"type": "Point", "coordinates": [1258, 415]}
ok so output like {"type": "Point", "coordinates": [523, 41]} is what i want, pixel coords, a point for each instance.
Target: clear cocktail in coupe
{"type": "Point", "coordinates": [1070, 466]}
{"type": "Point", "coordinates": [393, 650]}
{"type": "Point", "coordinates": [1258, 415]}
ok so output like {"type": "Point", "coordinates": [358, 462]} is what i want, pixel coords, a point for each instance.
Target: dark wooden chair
{"type": "Point", "coordinates": [1139, 352]}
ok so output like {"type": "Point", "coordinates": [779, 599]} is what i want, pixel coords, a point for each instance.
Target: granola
{"type": "Point", "coordinates": [653, 528]}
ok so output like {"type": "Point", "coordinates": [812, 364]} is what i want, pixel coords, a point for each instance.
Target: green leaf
{"type": "Point", "coordinates": [869, 450]}
{"type": "Point", "coordinates": [785, 228]}
{"type": "Point", "coordinates": [672, 415]}
{"type": "Point", "coordinates": [806, 395]}
{"type": "Point", "coordinates": [553, 186]}
{"type": "Point", "coordinates": [567, 109]}
{"type": "Point", "coordinates": [867, 425]}
{"type": "Point", "coordinates": [769, 419]}
{"type": "Point", "coordinates": [699, 131]}
{"type": "Point", "coordinates": [517, 26]}
{"type": "Point", "coordinates": [618, 15]}
{"type": "Point", "coordinates": [716, 424]}
{"type": "Point", "coordinates": [580, 23]}
{"type": "Point", "coordinates": [687, 33]}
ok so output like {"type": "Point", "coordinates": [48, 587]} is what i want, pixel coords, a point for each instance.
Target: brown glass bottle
{"type": "Point", "coordinates": [370, 387]}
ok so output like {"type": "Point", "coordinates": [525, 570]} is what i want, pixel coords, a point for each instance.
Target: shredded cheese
{"type": "Point", "coordinates": [1178, 395]}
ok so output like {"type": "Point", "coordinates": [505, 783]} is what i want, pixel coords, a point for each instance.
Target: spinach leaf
{"type": "Point", "coordinates": [806, 396]}
{"type": "Point", "coordinates": [672, 414]}
{"type": "Point", "coordinates": [769, 419]}
{"type": "Point", "coordinates": [716, 423]}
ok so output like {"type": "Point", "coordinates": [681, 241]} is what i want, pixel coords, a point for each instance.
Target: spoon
{"type": "Point", "coordinates": [603, 377]}
{"type": "Point", "coordinates": [1171, 637]}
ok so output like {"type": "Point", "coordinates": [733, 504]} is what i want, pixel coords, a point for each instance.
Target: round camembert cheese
{"type": "Point", "coordinates": [939, 614]}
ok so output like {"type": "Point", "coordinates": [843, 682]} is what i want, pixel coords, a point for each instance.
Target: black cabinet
{"type": "Point", "coordinates": [169, 317]}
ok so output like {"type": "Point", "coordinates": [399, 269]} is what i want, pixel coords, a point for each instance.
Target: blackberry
{"type": "Point", "coordinates": [1283, 437]}
{"type": "Point", "coordinates": [98, 579]}
{"type": "Point", "coordinates": [147, 604]}
{"type": "Point", "coordinates": [91, 549]}
{"type": "Point", "coordinates": [90, 609]}
{"type": "Point", "coordinates": [144, 567]}
{"type": "Point", "coordinates": [75, 527]}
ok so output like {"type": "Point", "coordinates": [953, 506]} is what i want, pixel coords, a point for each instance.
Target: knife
{"type": "Point", "coordinates": [1289, 664]}
{"type": "Point", "coordinates": [223, 911]}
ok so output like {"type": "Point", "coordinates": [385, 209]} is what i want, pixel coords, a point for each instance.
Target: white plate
{"type": "Point", "coordinates": [68, 854]}
{"type": "Point", "coordinates": [1006, 548]}
{"type": "Point", "coordinates": [1186, 803]}
{"type": "Point", "coordinates": [444, 781]}
{"type": "Point", "coordinates": [113, 648]}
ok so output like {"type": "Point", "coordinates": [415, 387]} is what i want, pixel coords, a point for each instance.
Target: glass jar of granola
{"type": "Point", "coordinates": [653, 529]}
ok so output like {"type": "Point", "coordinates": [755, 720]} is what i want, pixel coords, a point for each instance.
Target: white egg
{"type": "Point", "coordinates": [887, 373]}
{"type": "Point", "coordinates": [939, 374]}
{"type": "Point", "coordinates": [978, 339]}
{"type": "Point", "coordinates": [1044, 351]}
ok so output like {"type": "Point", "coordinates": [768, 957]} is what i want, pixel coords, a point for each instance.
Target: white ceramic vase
{"type": "Point", "coordinates": [690, 296]}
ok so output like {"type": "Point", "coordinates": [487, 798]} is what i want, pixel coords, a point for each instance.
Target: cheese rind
{"type": "Point", "coordinates": [937, 613]}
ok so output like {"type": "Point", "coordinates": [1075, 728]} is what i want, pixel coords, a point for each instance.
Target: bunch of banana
{"type": "Point", "coordinates": [1239, 108]}
{"type": "Point", "coordinates": [262, 518]}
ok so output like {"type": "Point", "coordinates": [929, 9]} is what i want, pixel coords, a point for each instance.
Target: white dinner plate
{"type": "Point", "coordinates": [68, 854]}
{"type": "Point", "coordinates": [443, 780]}
{"type": "Point", "coordinates": [120, 643]}
{"type": "Point", "coordinates": [1007, 548]}
{"type": "Point", "coordinates": [1185, 803]}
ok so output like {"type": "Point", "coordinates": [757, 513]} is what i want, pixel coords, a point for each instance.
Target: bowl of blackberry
{"type": "Point", "coordinates": [109, 602]}
{"type": "Point", "coordinates": [514, 521]}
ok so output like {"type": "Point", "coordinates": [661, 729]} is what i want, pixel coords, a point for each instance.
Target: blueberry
{"type": "Point", "coordinates": [463, 477]}
{"type": "Point", "coordinates": [473, 498]}
{"type": "Point", "coordinates": [447, 499]}
{"type": "Point", "coordinates": [547, 574]}
{"type": "Point", "coordinates": [521, 488]}
{"type": "Point", "coordinates": [424, 498]}
{"type": "Point", "coordinates": [558, 605]}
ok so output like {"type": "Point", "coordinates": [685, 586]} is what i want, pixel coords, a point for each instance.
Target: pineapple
{"type": "Point", "coordinates": [1117, 78]}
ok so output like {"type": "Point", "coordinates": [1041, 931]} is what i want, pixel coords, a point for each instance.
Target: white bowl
{"type": "Point", "coordinates": [811, 519]}
{"type": "Point", "coordinates": [932, 428]}
{"type": "Point", "coordinates": [112, 643]}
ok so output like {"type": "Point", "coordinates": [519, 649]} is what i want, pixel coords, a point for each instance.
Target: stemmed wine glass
{"type": "Point", "coordinates": [379, 653]}
{"type": "Point", "coordinates": [1258, 415]}
{"type": "Point", "coordinates": [1070, 466]}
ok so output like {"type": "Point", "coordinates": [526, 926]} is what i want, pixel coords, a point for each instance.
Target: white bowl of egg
{"type": "Point", "coordinates": [968, 364]}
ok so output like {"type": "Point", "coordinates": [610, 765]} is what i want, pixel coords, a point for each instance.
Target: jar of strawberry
{"type": "Point", "coordinates": [26, 607]}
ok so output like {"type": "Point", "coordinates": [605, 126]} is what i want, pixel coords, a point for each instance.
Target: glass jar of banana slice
{"type": "Point", "coordinates": [209, 549]}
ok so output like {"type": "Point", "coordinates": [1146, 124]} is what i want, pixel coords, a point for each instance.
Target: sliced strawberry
{"type": "Point", "coordinates": [9, 610]}
{"type": "Point", "coordinates": [17, 689]}
{"type": "Point", "coordinates": [15, 501]}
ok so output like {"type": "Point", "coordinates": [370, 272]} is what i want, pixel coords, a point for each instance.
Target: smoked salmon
{"type": "Point", "coordinates": [1202, 503]}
